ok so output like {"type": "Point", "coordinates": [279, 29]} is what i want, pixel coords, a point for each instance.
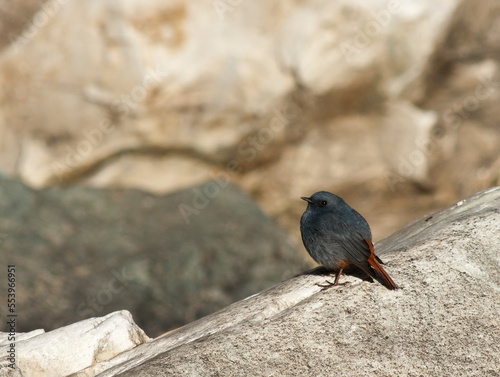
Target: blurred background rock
{"type": "Point", "coordinates": [82, 252]}
{"type": "Point", "coordinates": [391, 104]}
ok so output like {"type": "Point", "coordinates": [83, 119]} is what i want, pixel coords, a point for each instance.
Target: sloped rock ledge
{"type": "Point", "coordinates": [443, 319]}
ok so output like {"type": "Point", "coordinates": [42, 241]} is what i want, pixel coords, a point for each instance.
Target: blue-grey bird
{"type": "Point", "coordinates": [335, 235]}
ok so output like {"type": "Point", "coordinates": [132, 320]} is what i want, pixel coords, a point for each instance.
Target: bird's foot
{"type": "Point", "coordinates": [329, 284]}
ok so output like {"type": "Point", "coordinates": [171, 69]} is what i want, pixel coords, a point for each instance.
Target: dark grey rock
{"type": "Point", "coordinates": [82, 252]}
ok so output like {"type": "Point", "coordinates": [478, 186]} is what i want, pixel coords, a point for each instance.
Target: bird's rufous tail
{"type": "Point", "coordinates": [388, 282]}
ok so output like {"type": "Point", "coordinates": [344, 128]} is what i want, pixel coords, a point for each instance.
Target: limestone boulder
{"type": "Point", "coordinates": [143, 80]}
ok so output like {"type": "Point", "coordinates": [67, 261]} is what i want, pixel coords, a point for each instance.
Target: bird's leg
{"type": "Point", "coordinates": [330, 284]}
{"type": "Point", "coordinates": [338, 277]}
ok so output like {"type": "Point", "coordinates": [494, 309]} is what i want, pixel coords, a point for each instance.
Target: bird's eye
{"type": "Point", "coordinates": [323, 203]}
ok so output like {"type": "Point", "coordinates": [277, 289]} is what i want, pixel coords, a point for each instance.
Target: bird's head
{"type": "Point", "coordinates": [322, 201]}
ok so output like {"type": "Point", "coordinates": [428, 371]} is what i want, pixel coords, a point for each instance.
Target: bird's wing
{"type": "Point", "coordinates": [352, 242]}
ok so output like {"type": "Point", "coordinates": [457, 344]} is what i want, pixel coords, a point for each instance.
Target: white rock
{"type": "Point", "coordinates": [71, 348]}
{"type": "Point", "coordinates": [406, 141]}
{"type": "Point", "coordinates": [4, 336]}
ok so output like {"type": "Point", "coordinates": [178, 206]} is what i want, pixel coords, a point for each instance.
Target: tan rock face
{"type": "Point", "coordinates": [372, 100]}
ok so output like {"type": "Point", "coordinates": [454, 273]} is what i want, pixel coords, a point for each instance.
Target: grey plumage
{"type": "Point", "coordinates": [335, 235]}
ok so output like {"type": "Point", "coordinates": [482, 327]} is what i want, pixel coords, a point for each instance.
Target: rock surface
{"type": "Point", "coordinates": [385, 100]}
{"type": "Point", "coordinates": [83, 252]}
{"type": "Point", "coordinates": [444, 318]}
{"type": "Point", "coordinates": [74, 347]}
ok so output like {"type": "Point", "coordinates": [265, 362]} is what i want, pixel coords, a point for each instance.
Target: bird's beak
{"type": "Point", "coordinates": [306, 199]}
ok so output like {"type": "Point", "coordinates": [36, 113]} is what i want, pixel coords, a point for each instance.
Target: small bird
{"type": "Point", "coordinates": [335, 235]}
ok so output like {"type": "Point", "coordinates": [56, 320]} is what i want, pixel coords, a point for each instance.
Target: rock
{"type": "Point", "coordinates": [139, 107]}
{"type": "Point", "coordinates": [71, 348]}
{"type": "Point", "coordinates": [140, 98]}
{"type": "Point", "coordinates": [161, 96]}
{"type": "Point", "coordinates": [443, 319]}
{"type": "Point", "coordinates": [9, 366]}
{"type": "Point", "coordinates": [407, 130]}
{"type": "Point", "coordinates": [15, 17]}
{"type": "Point", "coordinates": [462, 86]}
{"type": "Point", "coordinates": [83, 252]}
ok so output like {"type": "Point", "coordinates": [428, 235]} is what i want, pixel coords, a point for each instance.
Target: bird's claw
{"type": "Point", "coordinates": [328, 285]}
